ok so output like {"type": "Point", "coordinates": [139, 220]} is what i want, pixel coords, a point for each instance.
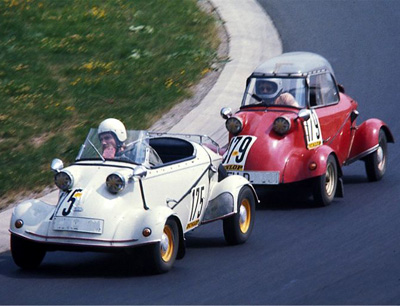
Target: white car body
{"type": "Point", "coordinates": [186, 187]}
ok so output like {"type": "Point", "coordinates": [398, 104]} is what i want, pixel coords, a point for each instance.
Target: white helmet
{"type": "Point", "coordinates": [269, 88]}
{"type": "Point", "coordinates": [114, 126]}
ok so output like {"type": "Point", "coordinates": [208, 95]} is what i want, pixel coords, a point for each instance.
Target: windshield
{"type": "Point", "coordinates": [134, 149]}
{"type": "Point", "coordinates": [276, 91]}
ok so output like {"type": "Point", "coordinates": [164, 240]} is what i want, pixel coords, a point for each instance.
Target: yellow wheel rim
{"type": "Point", "coordinates": [167, 244]}
{"type": "Point", "coordinates": [244, 215]}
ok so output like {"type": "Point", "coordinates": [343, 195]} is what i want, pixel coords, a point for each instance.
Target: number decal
{"type": "Point", "coordinates": [196, 206]}
{"type": "Point", "coordinates": [312, 130]}
{"type": "Point", "coordinates": [75, 195]}
{"type": "Point", "coordinates": [238, 150]}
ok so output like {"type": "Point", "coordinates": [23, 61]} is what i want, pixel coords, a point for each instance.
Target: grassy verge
{"type": "Point", "coordinates": [65, 65]}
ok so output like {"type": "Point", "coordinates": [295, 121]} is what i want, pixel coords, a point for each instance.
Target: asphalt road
{"type": "Point", "coordinates": [347, 253]}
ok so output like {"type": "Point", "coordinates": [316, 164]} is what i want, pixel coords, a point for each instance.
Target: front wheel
{"type": "Point", "coordinates": [324, 188]}
{"type": "Point", "coordinates": [161, 256]}
{"type": "Point", "coordinates": [237, 228]}
{"type": "Point", "coordinates": [25, 253]}
{"type": "Point", "coordinates": [375, 163]}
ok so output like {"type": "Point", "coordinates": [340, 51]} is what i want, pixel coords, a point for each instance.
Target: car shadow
{"type": "Point", "coordinates": [284, 201]}
{"type": "Point", "coordinates": [354, 179]}
{"type": "Point", "coordinates": [299, 197]}
{"type": "Point", "coordinates": [77, 265]}
{"type": "Point", "coordinates": [194, 242]}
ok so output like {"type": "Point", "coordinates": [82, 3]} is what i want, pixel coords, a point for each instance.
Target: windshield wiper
{"type": "Point", "coordinates": [254, 96]}
{"type": "Point", "coordinates": [94, 147]}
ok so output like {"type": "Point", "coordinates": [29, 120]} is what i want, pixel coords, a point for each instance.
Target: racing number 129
{"type": "Point", "coordinates": [241, 151]}
{"type": "Point", "coordinates": [313, 131]}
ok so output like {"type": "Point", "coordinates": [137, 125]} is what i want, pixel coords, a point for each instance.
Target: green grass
{"type": "Point", "coordinates": [67, 64]}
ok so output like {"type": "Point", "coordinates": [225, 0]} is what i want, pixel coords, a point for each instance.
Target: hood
{"type": "Point", "coordinates": [89, 196]}
{"type": "Point", "coordinates": [270, 151]}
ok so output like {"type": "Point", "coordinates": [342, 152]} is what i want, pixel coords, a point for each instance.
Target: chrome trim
{"type": "Point", "coordinates": [330, 139]}
{"type": "Point", "coordinates": [77, 238]}
{"type": "Point", "coordinates": [361, 155]}
{"type": "Point", "coordinates": [219, 218]}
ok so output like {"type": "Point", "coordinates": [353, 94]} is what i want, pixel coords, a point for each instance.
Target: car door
{"type": "Point", "coordinates": [181, 184]}
{"type": "Point", "coordinates": [333, 113]}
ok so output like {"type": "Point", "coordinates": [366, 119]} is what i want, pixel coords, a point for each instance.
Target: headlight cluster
{"type": "Point", "coordinates": [64, 180]}
{"type": "Point", "coordinates": [115, 183]}
{"type": "Point", "coordinates": [234, 125]}
{"type": "Point", "coordinates": [281, 125]}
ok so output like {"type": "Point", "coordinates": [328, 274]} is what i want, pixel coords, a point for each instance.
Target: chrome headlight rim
{"type": "Point", "coordinates": [64, 180]}
{"type": "Point", "coordinates": [281, 125]}
{"type": "Point", "coordinates": [115, 183]}
{"type": "Point", "coordinates": [234, 125]}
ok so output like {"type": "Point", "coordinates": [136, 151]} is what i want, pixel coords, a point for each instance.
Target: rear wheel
{"type": "Point", "coordinates": [163, 254]}
{"type": "Point", "coordinates": [324, 188]}
{"type": "Point", "coordinates": [25, 253]}
{"type": "Point", "coordinates": [375, 163]}
{"type": "Point", "coordinates": [237, 228]}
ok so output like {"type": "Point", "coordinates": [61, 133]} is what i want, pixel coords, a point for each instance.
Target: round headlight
{"type": "Point", "coordinates": [281, 125]}
{"type": "Point", "coordinates": [234, 125]}
{"type": "Point", "coordinates": [64, 180]}
{"type": "Point", "coordinates": [115, 183]}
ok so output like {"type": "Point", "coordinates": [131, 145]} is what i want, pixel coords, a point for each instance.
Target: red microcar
{"type": "Point", "coordinates": [296, 124]}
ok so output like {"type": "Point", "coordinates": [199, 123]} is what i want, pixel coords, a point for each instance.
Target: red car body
{"type": "Point", "coordinates": [312, 137]}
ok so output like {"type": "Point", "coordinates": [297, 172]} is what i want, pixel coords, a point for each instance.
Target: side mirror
{"type": "Point", "coordinates": [341, 88]}
{"type": "Point", "coordinates": [226, 112]}
{"type": "Point", "coordinates": [140, 172]}
{"type": "Point", "coordinates": [353, 116]}
{"type": "Point", "coordinates": [57, 165]}
{"type": "Point", "coordinates": [304, 114]}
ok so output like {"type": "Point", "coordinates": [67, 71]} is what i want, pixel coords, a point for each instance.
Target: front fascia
{"type": "Point", "coordinates": [274, 159]}
{"type": "Point", "coordinates": [93, 216]}
{"type": "Point", "coordinates": [270, 151]}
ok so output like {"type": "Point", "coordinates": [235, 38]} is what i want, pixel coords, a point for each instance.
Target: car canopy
{"type": "Point", "coordinates": [294, 64]}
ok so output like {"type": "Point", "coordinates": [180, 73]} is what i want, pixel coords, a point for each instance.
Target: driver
{"type": "Point", "coordinates": [271, 92]}
{"type": "Point", "coordinates": [112, 136]}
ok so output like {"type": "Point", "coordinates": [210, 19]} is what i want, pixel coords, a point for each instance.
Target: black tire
{"type": "Point", "coordinates": [376, 162]}
{"type": "Point", "coordinates": [238, 227]}
{"type": "Point", "coordinates": [25, 253]}
{"type": "Point", "coordinates": [162, 255]}
{"type": "Point", "coordinates": [324, 188]}
{"type": "Point", "coordinates": [222, 173]}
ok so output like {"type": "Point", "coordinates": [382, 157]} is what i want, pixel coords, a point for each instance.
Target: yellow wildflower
{"type": "Point", "coordinates": [204, 71]}
{"type": "Point", "coordinates": [169, 83]}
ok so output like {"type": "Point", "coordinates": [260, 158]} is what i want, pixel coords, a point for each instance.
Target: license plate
{"type": "Point", "coordinates": [83, 225]}
{"type": "Point", "coordinates": [259, 177]}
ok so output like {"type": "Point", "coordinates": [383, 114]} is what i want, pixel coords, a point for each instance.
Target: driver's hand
{"type": "Point", "coordinates": [109, 152]}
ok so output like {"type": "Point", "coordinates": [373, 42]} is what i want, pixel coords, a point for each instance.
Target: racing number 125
{"type": "Point", "coordinates": [197, 204]}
